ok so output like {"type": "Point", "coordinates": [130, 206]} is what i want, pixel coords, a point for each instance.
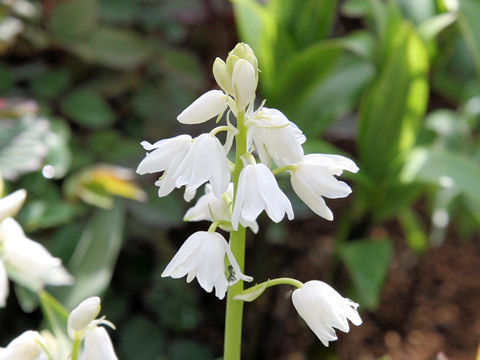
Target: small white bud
{"type": "Point", "coordinates": [244, 83]}
{"type": "Point", "coordinates": [83, 314]}
{"type": "Point", "coordinates": [207, 106]}
{"type": "Point", "coordinates": [222, 76]}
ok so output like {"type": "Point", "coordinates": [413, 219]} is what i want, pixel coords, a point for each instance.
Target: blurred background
{"type": "Point", "coordinates": [394, 85]}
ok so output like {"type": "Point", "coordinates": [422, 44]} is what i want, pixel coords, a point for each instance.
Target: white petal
{"type": "Point", "coordinates": [28, 262]}
{"type": "Point", "coordinates": [182, 263]}
{"type": "Point", "coordinates": [83, 314]}
{"type": "Point", "coordinates": [323, 308]}
{"type": "Point", "coordinates": [3, 285]}
{"type": "Point", "coordinates": [25, 347]}
{"type": "Point", "coordinates": [10, 204]}
{"type": "Point", "coordinates": [163, 154]}
{"type": "Point", "coordinates": [310, 198]}
{"type": "Point", "coordinates": [210, 104]}
{"type": "Point", "coordinates": [244, 82]}
{"type": "Point", "coordinates": [98, 345]}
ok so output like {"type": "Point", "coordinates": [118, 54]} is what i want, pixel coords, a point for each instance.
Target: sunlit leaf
{"type": "Point", "coordinates": [98, 184]}
{"type": "Point", "coordinates": [468, 15]}
{"type": "Point", "coordinates": [22, 145]}
{"type": "Point", "coordinates": [393, 107]}
{"type": "Point", "coordinates": [444, 168]}
{"type": "Point", "coordinates": [367, 262]}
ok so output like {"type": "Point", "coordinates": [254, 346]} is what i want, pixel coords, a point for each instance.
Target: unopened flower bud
{"type": "Point", "coordinates": [207, 106]}
{"type": "Point", "coordinates": [243, 51]}
{"type": "Point", "coordinates": [83, 314]}
{"type": "Point", "coordinates": [222, 76]}
{"type": "Point", "coordinates": [244, 83]}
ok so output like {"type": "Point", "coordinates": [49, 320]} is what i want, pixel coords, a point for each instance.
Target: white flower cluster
{"type": "Point", "coordinates": [83, 327]}
{"type": "Point", "coordinates": [193, 162]}
{"type": "Point", "coordinates": [23, 260]}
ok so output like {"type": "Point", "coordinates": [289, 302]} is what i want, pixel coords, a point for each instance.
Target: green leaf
{"type": "Point", "coordinates": [444, 168]}
{"type": "Point", "coordinates": [252, 293]}
{"type": "Point", "coordinates": [367, 261]}
{"type": "Point", "coordinates": [94, 258]}
{"type": "Point", "coordinates": [59, 157]}
{"type": "Point", "coordinates": [414, 230]}
{"type": "Point", "coordinates": [87, 108]}
{"type": "Point", "coordinates": [22, 145]}
{"type": "Point", "coordinates": [256, 27]}
{"type": "Point", "coordinates": [115, 48]}
{"type": "Point", "coordinates": [51, 83]}
{"type": "Point", "coordinates": [468, 15]}
{"type": "Point", "coordinates": [392, 109]}
{"type": "Point", "coordinates": [305, 70]}
{"type": "Point", "coordinates": [188, 349]}
{"type": "Point", "coordinates": [431, 27]}
{"type": "Point", "coordinates": [335, 96]}
{"type": "Point", "coordinates": [73, 19]}
{"type": "Point", "coordinates": [313, 20]}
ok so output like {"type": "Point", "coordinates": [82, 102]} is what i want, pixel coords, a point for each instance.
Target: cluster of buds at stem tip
{"type": "Point", "coordinates": [268, 144]}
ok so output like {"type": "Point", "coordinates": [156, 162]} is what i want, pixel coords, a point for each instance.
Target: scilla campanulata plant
{"type": "Point", "coordinates": [266, 145]}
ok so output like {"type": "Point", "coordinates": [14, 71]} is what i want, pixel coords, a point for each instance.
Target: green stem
{"type": "Point", "coordinates": [76, 347]}
{"type": "Point", "coordinates": [234, 311]}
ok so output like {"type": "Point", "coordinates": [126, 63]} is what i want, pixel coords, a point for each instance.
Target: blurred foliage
{"type": "Point", "coordinates": [82, 82]}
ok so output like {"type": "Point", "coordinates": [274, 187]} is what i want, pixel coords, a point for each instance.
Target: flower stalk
{"type": "Point", "coordinates": [234, 308]}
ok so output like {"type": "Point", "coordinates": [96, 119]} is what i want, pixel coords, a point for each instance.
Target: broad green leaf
{"type": "Point", "coordinates": [94, 258]}
{"type": "Point", "coordinates": [47, 213]}
{"type": "Point", "coordinates": [393, 107]}
{"type": "Point", "coordinates": [308, 21]}
{"type": "Point", "coordinates": [367, 261]}
{"type": "Point", "coordinates": [115, 48]}
{"type": "Point", "coordinates": [356, 8]}
{"type": "Point", "coordinates": [468, 15]}
{"type": "Point", "coordinates": [73, 19]}
{"type": "Point", "coordinates": [335, 96]}
{"type": "Point", "coordinates": [256, 27]}
{"type": "Point", "coordinates": [88, 108]}
{"type": "Point", "coordinates": [304, 71]}
{"type": "Point", "coordinates": [444, 168]}
{"type": "Point", "coordinates": [22, 145]}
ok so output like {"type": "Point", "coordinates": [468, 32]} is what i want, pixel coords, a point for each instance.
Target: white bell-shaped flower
{"type": "Point", "coordinates": [203, 256]}
{"type": "Point", "coordinates": [314, 178]}
{"type": "Point", "coordinates": [257, 191]}
{"type": "Point", "coordinates": [166, 156]}
{"type": "Point", "coordinates": [323, 309]}
{"type": "Point", "coordinates": [205, 161]}
{"type": "Point", "coordinates": [11, 204]}
{"type": "Point", "coordinates": [244, 82]}
{"type": "Point", "coordinates": [275, 137]}
{"type": "Point", "coordinates": [27, 262]}
{"type": "Point", "coordinates": [98, 345]}
{"type": "Point", "coordinates": [210, 207]}
{"type": "Point", "coordinates": [83, 315]}
{"type": "Point", "coordinates": [27, 346]}
{"type": "Point", "coordinates": [207, 106]}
